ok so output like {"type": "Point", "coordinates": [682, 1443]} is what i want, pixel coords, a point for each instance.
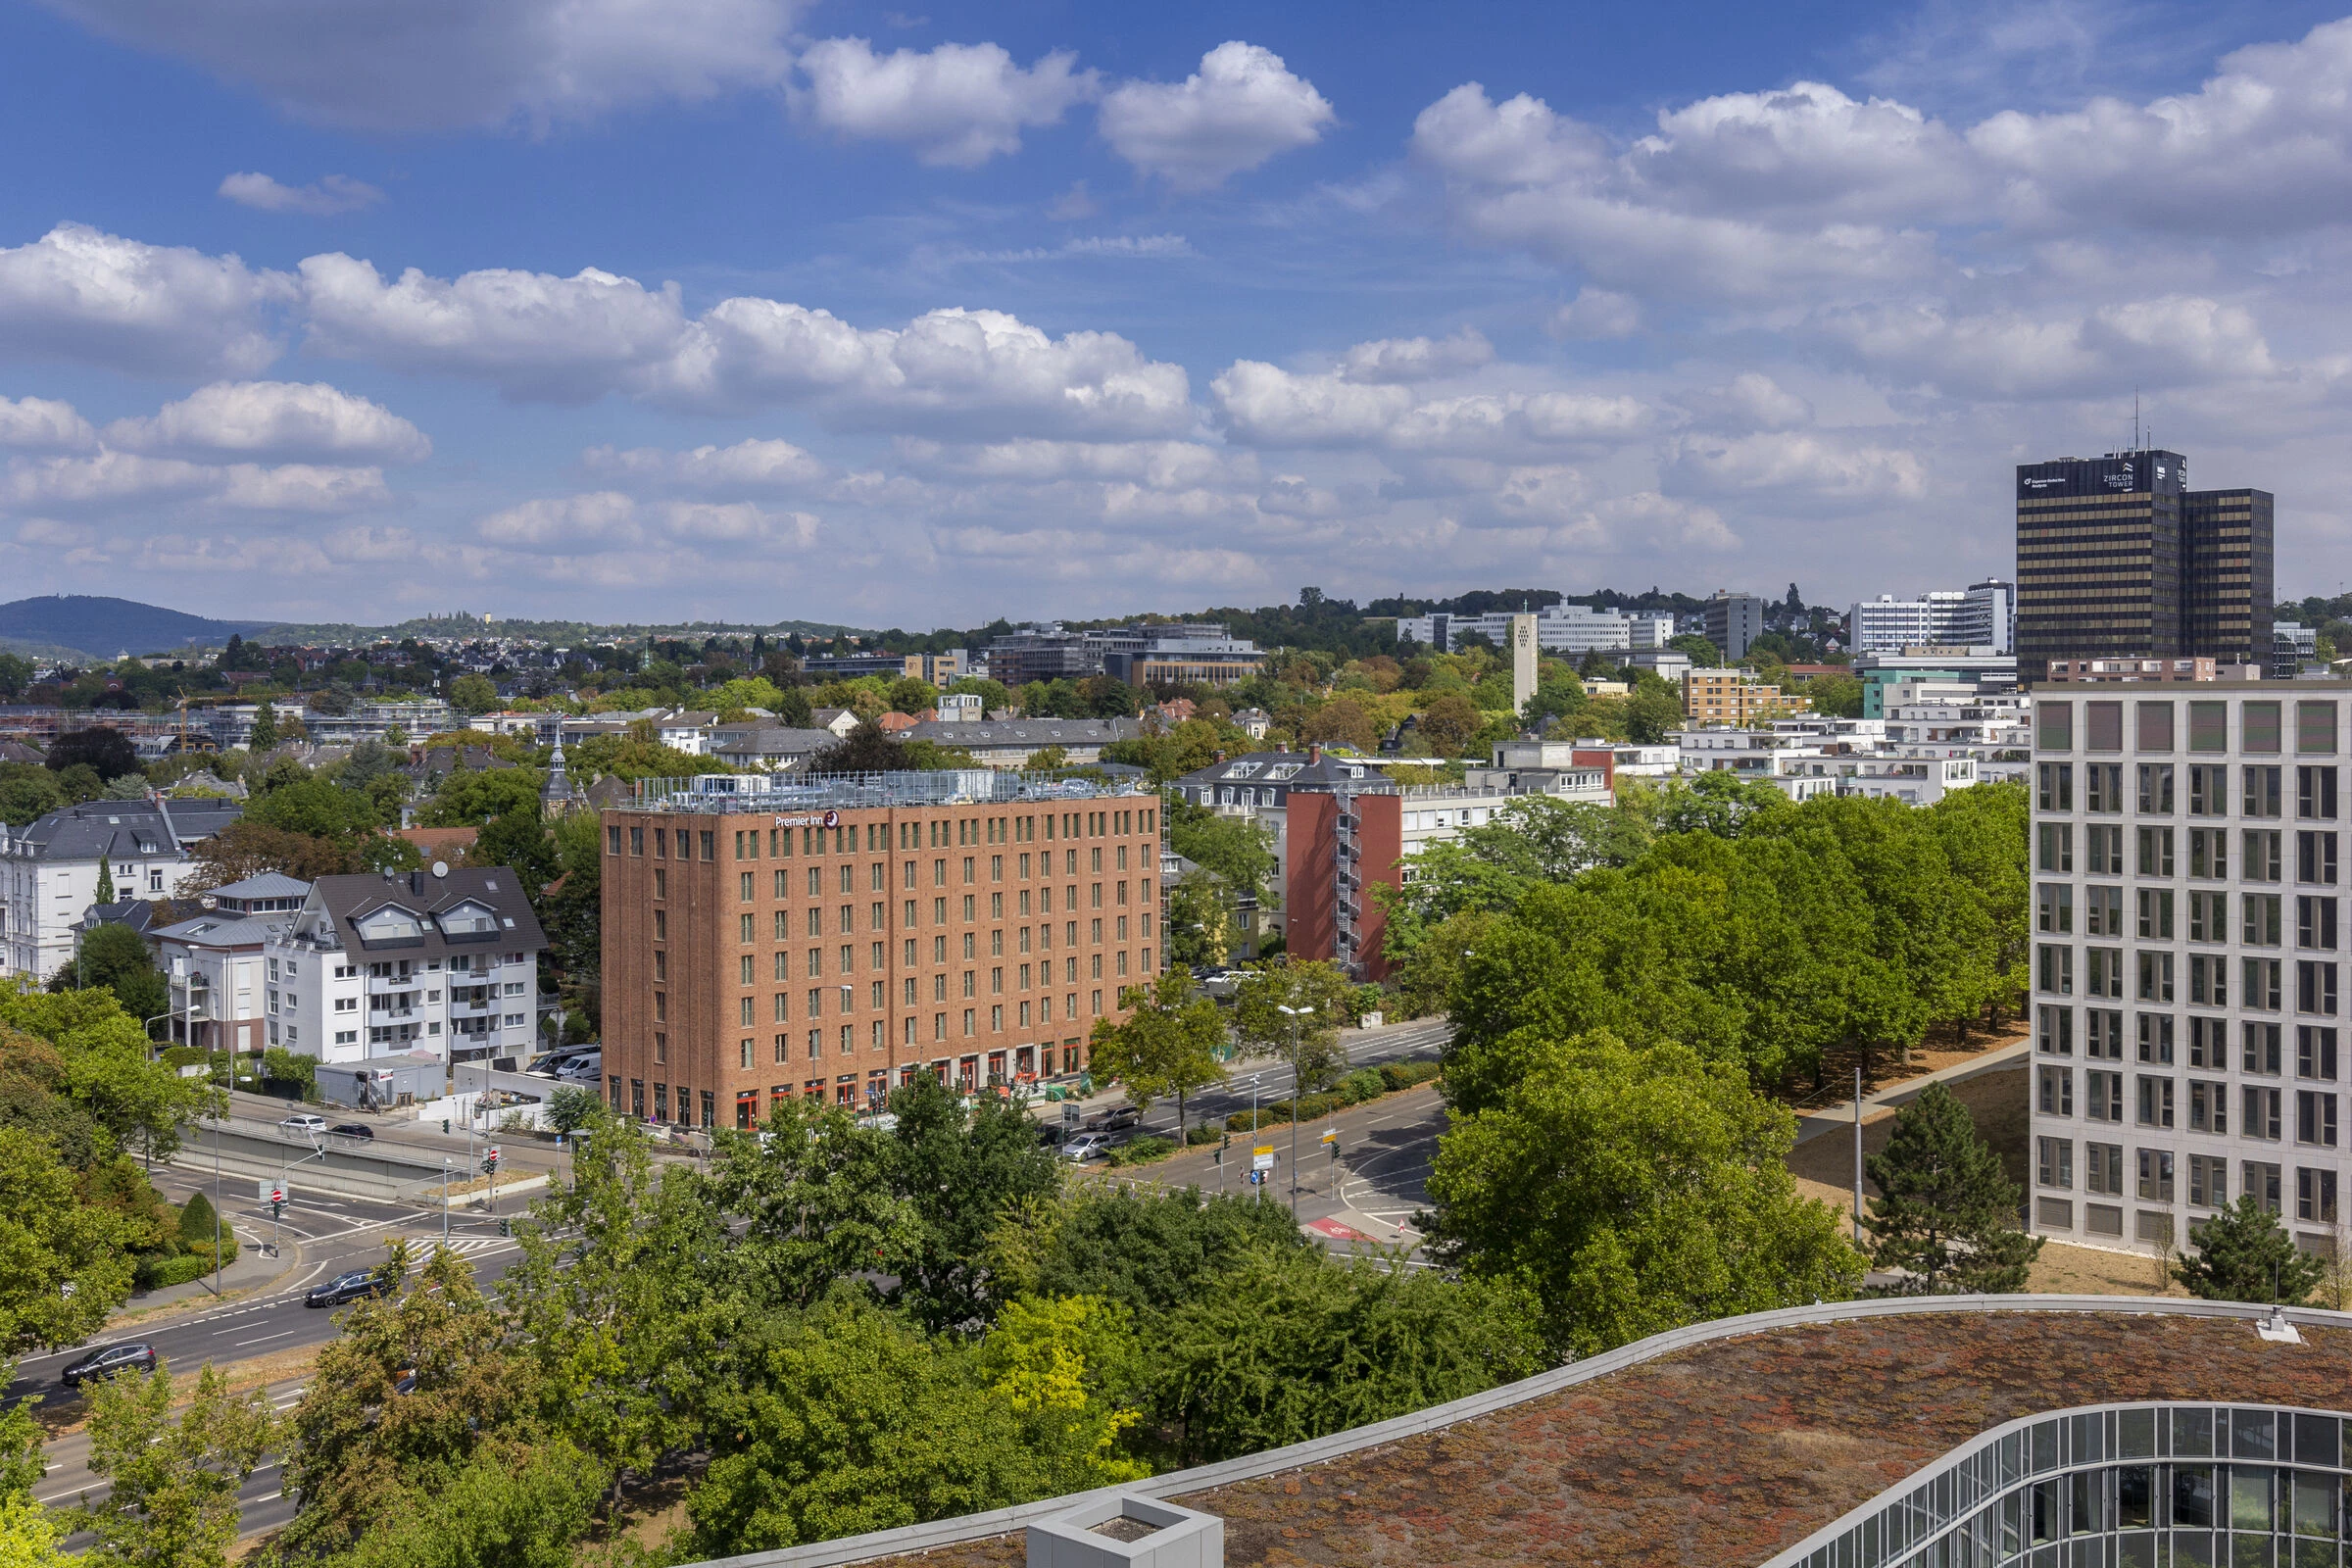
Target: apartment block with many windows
{"type": "Point", "coordinates": [778, 937]}
{"type": "Point", "coordinates": [2189, 944]}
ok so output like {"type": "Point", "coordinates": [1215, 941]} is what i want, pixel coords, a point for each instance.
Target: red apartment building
{"type": "Point", "coordinates": [832, 938]}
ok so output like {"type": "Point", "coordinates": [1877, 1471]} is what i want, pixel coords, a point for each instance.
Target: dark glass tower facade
{"type": "Point", "coordinates": [2117, 558]}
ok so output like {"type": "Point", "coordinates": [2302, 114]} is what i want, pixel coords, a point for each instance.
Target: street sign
{"type": "Point", "coordinates": [1263, 1157]}
{"type": "Point", "coordinates": [269, 1191]}
{"type": "Point", "coordinates": [1258, 1178]}
{"type": "Point", "coordinates": [1331, 1136]}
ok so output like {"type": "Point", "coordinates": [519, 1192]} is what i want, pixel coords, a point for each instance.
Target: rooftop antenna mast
{"type": "Point", "coordinates": [2136, 419]}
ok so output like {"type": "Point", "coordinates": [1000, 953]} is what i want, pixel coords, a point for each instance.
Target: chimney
{"type": "Point", "coordinates": [1314, 752]}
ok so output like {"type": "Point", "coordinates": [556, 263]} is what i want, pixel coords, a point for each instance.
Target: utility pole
{"type": "Point", "coordinates": [1294, 1014]}
{"type": "Point", "coordinates": [445, 1202]}
{"type": "Point", "coordinates": [1857, 1156]}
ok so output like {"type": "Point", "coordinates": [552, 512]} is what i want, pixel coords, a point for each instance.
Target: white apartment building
{"type": "Point", "coordinates": [1938, 718]}
{"type": "Point", "coordinates": [445, 962]}
{"type": "Point", "coordinates": [213, 963]}
{"type": "Point", "coordinates": [2188, 863]}
{"type": "Point", "coordinates": [52, 868]}
{"type": "Point", "coordinates": [1570, 629]}
{"type": "Point", "coordinates": [1981, 615]}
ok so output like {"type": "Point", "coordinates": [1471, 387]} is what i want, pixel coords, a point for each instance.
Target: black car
{"type": "Point", "coordinates": [107, 1361]}
{"type": "Point", "coordinates": [343, 1288]}
{"type": "Point", "coordinates": [353, 1129]}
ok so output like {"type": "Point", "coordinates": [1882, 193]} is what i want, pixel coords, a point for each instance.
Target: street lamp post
{"type": "Point", "coordinates": [1294, 1014]}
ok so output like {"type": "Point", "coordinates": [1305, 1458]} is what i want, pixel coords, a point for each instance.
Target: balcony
{"type": "Point", "coordinates": [384, 984]}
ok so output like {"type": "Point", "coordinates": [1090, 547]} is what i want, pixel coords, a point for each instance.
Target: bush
{"type": "Point", "coordinates": [198, 1225]}
{"type": "Point", "coordinates": [1143, 1152]}
{"type": "Point", "coordinates": [158, 1273]}
{"type": "Point", "coordinates": [1365, 1083]}
{"type": "Point", "coordinates": [1395, 1075]}
{"type": "Point", "coordinates": [1204, 1134]}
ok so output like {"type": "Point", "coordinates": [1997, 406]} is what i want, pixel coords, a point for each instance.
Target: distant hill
{"type": "Point", "coordinates": [101, 628]}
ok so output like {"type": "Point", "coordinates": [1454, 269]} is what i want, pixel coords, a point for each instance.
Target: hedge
{"type": "Point", "coordinates": [1142, 1151]}
{"type": "Point", "coordinates": [156, 1274]}
{"type": "Point", "coordinates": [1363, 1084]}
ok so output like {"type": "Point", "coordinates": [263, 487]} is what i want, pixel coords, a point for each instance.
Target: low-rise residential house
{"type": "Point", "coordinates": [1254, 723]}
{"type": "Point", "coordinates": [775, 749]}
{"type": "Point", "coordinates": [1916, 781]}
{"type": "Point", "coordinates": [214, 962]}
{"type": "Point", "coordinates": [895, 723]}
{"type": "Point", "coordinates": [840, 720]}
{"type": "Point", "coordinates": [440, 961]}
{"type": "Point", "coordinates": [686, 729]}
{"type": "Point", "coordinates": [53, 868]}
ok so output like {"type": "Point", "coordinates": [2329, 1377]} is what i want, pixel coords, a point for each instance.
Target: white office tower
{"type": "Point", "coordinates": [2187, 995]}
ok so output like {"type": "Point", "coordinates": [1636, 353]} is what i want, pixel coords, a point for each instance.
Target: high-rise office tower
{"type": "Point", "coordinates": [2117, 558]}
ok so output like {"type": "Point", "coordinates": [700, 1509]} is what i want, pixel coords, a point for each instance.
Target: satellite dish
{"type": "Point", "coordinates": [440, 868]}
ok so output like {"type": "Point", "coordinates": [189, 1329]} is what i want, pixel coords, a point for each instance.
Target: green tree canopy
{"type": "Point", "coordinates": [1323, 1000]}
{"type": "Point", "coordinates": [1167, 1045]}
{"type": "Point", "coordinates": [174, 1482]}
{"type": "Point", "coordinates": [1947, 1219]}
{"type": "Point", "coordinates": [2243, 1253]}
{"type": "Point", "coordinates": [1635, 1190]}
{"type": "Point", "coordinates": [470, 796]}
{"type": "Point", "coordinates": [472, 693]}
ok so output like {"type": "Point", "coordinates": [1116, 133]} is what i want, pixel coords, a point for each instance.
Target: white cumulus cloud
{"type": "Point", "coordinates": [38, 423]}
{"type": "Point", "coordinates": [275, 420]}
{"type": "Point", "coordinates": [324, 198]}
{"type": "Point", "coordinates": [957, 105]}
{"type": "Point", "coordinates": [1243, 107]}
{"type": "Point", "coordinates": [1417, 359]}
{"type": "Point", "coordinates": [78, 293]}
{"type": "Point", "coordinates": [747, 466]}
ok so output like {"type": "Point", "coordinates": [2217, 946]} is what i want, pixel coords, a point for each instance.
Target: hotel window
{"type": "Point", "coordinates": [2207, 1107]}
{"type": "Point", "coordinates": [2259, 1180]}
{"type": "Point", "coordinates": [2315, 794]}
{"type": "Point", "coordinates": [2259, 925]}
{"type": "Point", "coordinates": [2315, 858]}
{"type": "Point", "coordinates": [2103, 912]}
{"type": "Point", "coordinates": [2155, 1038]}
{"type": "Point", "coordinates": [2103, 787]}
{"type": "Point", "coordinates": [2103, 1169]}
{"type": "Point", "coordinates": [2156, 1175]}
{"type": "Point", "coordinates": [2261, 1117]}
{"type": "Point", "coordinates": [2103, 1096]}
{"type": "Point", "coordinates": [2055, 1163]}
{"type": "Point", "coordinates": [2261, 992]}
{"type": "Point", "coordinates": [2263, 861]}
{"type": "Point", "coordinates": [2208, 1042]}
{"type": "Point", "coordinates": [2314, 1117]}
{"type": "Point", "coordinates": [2261, 796]}
{"type": "Point", "coordinates": [2259, 1049]}
{"type": "Point", "coordinates": [2314, 987]}
{"type": "Point", "coordinates": [2155, 1101]}
{"type": "Point", "coordinates": [2208, 853]}
{"type": "Point", "coordinates": [2315, 1052]}
{"type": "Point", "coordinates": [2315, 1196]}
{"type": "Point", "coordinates": [2315, 923]}
{"type": "Point", "coordinates": [2156, 789]}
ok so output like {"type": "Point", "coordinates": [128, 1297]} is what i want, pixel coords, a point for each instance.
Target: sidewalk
{"type": "Point", "coordinates": [1839, 1118]}
{"type": "Point", "coordinates": [251, 1274]}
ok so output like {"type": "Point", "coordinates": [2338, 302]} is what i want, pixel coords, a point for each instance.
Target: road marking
{"type": "Point", "coordinates": [264, 1339]}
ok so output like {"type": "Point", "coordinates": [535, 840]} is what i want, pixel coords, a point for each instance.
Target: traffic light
{"type": "Point", "coordinates": [505, 1227]}
{"type": "Point", "coordinates": [445, 1124]}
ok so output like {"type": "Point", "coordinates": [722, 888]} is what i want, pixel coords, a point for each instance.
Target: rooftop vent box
{"type": "Point", "coordinates": [1128, 1532]}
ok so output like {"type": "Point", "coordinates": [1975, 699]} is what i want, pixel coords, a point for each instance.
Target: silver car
{"type": "Point", "coordinates": [1086, 1147]}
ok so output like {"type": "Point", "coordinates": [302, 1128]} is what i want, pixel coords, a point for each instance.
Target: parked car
{"type": "Point", "coordinates": [302, 1126]}
{"type": "Point", "coordinates": [354, 1129]}
{"type": "Point", "coordinates": [343, 1288]}
{"type": "Point", "coordinates": [1120, 1118]}
{"type": "Point", "coordinates": [1086, 1147]}
{"type": "Point", "coordinates": [108, 1361]}
{"type": "Point", "coordinates": [582, 1069]}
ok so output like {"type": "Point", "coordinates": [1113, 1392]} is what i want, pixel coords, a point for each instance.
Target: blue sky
{"type": "Point", "coordinates": [750, 308]}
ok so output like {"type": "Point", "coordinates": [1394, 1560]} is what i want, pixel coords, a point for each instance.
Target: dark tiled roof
{"type": "Point", "coordinates": [1730, 1451]}
{"type": "Point", "coordinates": [118, 829]}
{"type": "Point", "coordinates": [350, 899]}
